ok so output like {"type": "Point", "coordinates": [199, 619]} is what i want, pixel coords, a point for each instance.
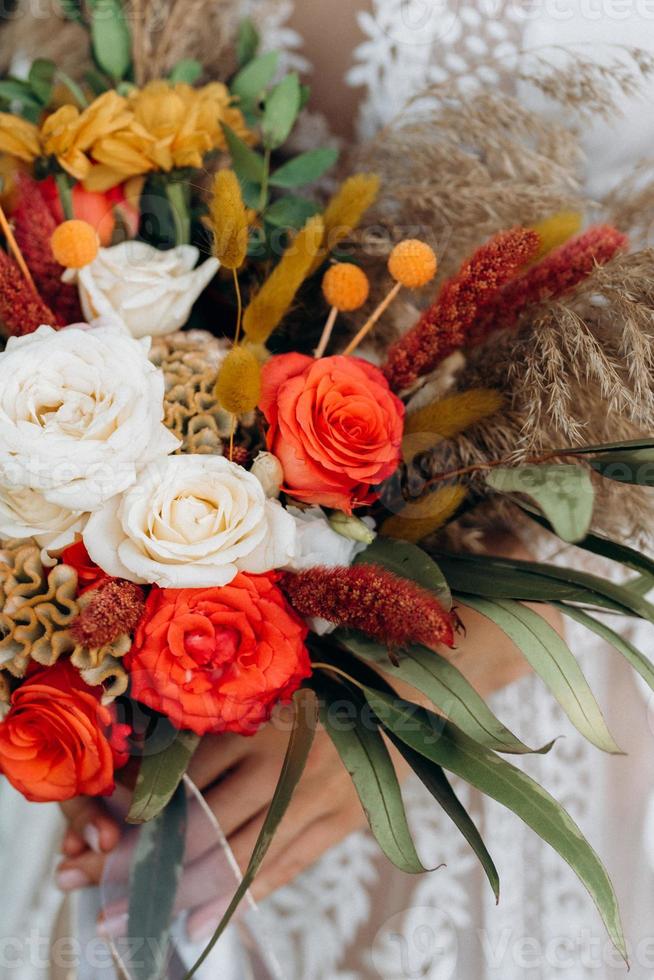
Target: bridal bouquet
{"type": "Point", "coordinates": [198, 525]}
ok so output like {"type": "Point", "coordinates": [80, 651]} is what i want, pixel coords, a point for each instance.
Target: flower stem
{"type": "Point", "coordinates": [370, 323]}
{"type": "Point", "coordinates": [327, 332]}
{"type": "Point", "coordinates": [239, 305]}
{"type": "Point", "coordinates": [176, 194]}
{"type": "Point", "coordinates": [15, 250]}
{"type": "Point", "coordinates": [62, 181]}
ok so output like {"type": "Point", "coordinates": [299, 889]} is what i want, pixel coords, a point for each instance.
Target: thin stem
{"type": "Point", "coordinates": [493, 464]}
{"type": "Point", "coordinates": [327, 332]}
{"type": "Point", "coordinates": [73, 88]}
{"type": "Point", "coordinates": [341, 673]}
{"type": "Point", "coordinates": [239, 303]}
{"type": "Point", "coordinates": [377, 315]}
{"type": "Point", "coordinates": [15, 251]}
{"type": "Point", "coordinates": [65, 196]}
{"type": "Point", "coordinates": [231, 439]}
{"type": "Point", "coordinates": [176, 194]}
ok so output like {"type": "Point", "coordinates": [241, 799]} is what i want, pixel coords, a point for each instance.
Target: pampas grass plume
{"type": "Point", "coordinates": [238, 387]}
{"type": "Point", "coordinates": [422, 517]}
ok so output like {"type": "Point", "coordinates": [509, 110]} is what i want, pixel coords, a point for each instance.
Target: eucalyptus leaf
{"type": "Point", "coordinates": [154, 879]}
{"type": "Point", "coordinates": [408, 561]}
{"type": "Point", "coordinates": [638, 660]}
{"type": "Point", "coordinates": [247, 42]}
{"type": "Point", "coordinates": [281, 112]}
{"type": "Point", "coordinates": [564, 493]}
{"type": "Point", "coordinates": [186, 70]}
{"type": "Point", "coordinates": [110, 36]}
{"type": "Point", "coordinates": [365, 756]}
{"type": "Point", "coordinates": [634, 466]}
{"type": "Point", "coordinates": [554, 663]}
{"type": "Point", "coordinates": [434, 779]}
{"type": "Point", "coordinates": [41, 78]}
{"type": "Point", "coordinates": [439, 740]}
{"type": "Point", "coordinates": [305, 168]}
{"type": "Point", "coordinates": [251, 82]}
{"type": "Point", "coordinates": [248, 164]}
{"type": "Point", "coordinates": [444, 685]}
{"type": "Point", "coordinates": [291, 212]}
{"type": "Point", "coordinates": [305, 719]}
{"type": "Point", "coordinates": [14, 89]}
{"type": "Point", "coordinates": [160, 775]}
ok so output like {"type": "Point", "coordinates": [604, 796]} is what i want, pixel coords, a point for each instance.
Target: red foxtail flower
{"type": "Point", "coordinates": [22, 311]}
{"type": "Point", "coordinates": [114, 609]}
{"type": "Point", "coordinates": [369, 598]}
{"type": "Point", "coordinates": [33, 227]}
{"type": "Point", "coordinates": [559, 272]}
{"type": "Point", "coordinates": [445, 327]}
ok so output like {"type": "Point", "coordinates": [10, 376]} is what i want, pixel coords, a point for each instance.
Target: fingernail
{"type": "Point", "coordinates": [114, 925]}
{"type": "Point", "coordinates": [91, 835]}
{"type": "Point", "coordinates": [71, 880]}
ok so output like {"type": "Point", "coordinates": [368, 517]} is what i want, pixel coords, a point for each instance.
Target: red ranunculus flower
{"type": "Point", "coordinates": [58, 741]}
{"type": "Point", "coordinates": [335, 426]}
{"type": "Point", "coordinates": [218, 659]}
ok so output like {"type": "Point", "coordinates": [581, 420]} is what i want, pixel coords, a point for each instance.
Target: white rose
{"type": "Point", "coordinates": [80, 412]}
{"type": "Point", "coordinates": [150, 290]}
{"type": "Point", "coordinates": [318, 543]}
{"type": "Point", "coordinates": [191, 522]}
{"type": "Point", "coordinates": [27, 514]}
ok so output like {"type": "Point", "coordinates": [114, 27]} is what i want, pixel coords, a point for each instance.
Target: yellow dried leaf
{"type": "Point", "coordinates": [228, 220]}
{"type": "Point", "coordinates": [238, 387]}
{"type": "Point", "coordinates": [557, 230]}
{"type": "Point", "coordinates": [422, 517]}
{"type": "Point", "coordinates": [270, 305]}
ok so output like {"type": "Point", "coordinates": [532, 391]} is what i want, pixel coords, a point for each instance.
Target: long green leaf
{"type": "Point", "coordinates": [607, 447]}
{"type": "Point", "coordinates": [248, 164]}
{"type": "Point", "coordinates": [564, 493]}
{"type": "Point", "coordinates": [160, 775]}
{"type": "Point", "coordinates": [638, 660]}
{"type": "Point", "coordinates": [440, 741]}
{"type": "Point", "coordinates": [305, 168]}
{"type": "Point", "coordinates": [434, 779]}
{"type": "Point", "coordinates": [444, 685]}
{"type": "Point", "coordinates": [408, 561]}
{"type": "Point", "coordinates": [305, 720]}
{"type": "Point", "coordinates": [154, 878]}
{"type": "Point", "coordinates": [366, 758]}
{"type": "Point", "coordinates": [554, 663]}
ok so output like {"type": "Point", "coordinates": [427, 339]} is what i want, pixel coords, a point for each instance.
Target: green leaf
{"type": "Point", "coordinates": [281, 112]}
{"type": "Point", "coordinates": [187, 70]}
{"type": "Point", "coordinates": [554, 663]}
{"type": "Point", "coordinates": [305, 710]}
{"type": "Point", "coordinates": [72, 10]}
{"type": "Point", "coordinates": [408, 561]}
{"type": "Point", "coordinates": [247, 42]}
{"type": "Point", "coordinates": [434, 779]}
{"type": "Point", "coordinates": [96, 81]}
{"type": "Point", "coordinates": [366, 758]}
{"type": "Point", "coordinates": [251, 82]}
{"type": "Point", "coordinates": [160, 774]}
{"type": "Point", "coordinates": [304, 169]}
{"type": "Point", "coordinates": [154, 879]}
{"type": "Point", "coordinates": [291, 212]}
{"type": "Point", "coordinates": [13, 89]}
{"type": "Point", "coordinates": [564, 493]}
{"type": "Point", "coordinates": [638, 660]}
{"type": "Point", "coordinates": [444, 685]}
{"type": "Point", "coordinates": [634, 466]}
{"type": "Point", "coordinates": [41, 78]}
{"type": "Point", "coordinates": [110, 37]}
{"type": "Point", "coordinates": [248, 164]}
{"type": "Point", "coordinates": [607, 447]}
{"type": "Point", "coordinates": [444, 744]}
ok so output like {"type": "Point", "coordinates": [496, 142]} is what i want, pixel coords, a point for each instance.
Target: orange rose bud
{"type": "Point", "coordinates": [74, 244]}
{"type": "Point", "coordinates": [413, 263]}
{"type": "Point", "coordinates": [346, 287]}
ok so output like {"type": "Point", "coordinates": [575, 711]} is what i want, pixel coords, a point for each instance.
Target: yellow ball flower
{"type": "Point", "coordinates": [345, 286]}
{"type": "Point", "coordinates": [74, 244]}
{"type": "Point", "coordinates": [413, 263]}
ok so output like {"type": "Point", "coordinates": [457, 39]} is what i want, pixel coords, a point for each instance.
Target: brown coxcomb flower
{"type": "Point", "coordinates": [34, 225]}
{"type": "Point", "coordinates": [114, 609]}
{"type": "Point", "coordinates": [22, 310]}
{"type": "Point", "coordinates": [369, 598]}
{"type": "Point", "coordinates": [560, 271]}
{"type": "Point", "coordinates": [445, 327]}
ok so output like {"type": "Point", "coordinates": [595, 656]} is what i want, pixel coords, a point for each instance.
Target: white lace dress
{"type": "Point", "coordinates": [352, 916]}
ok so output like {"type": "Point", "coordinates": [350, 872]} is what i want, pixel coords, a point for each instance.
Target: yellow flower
{"type": "Point", "coordinates": [18, 137]}
{"type": "Point", "coordinates": [69, 134]}
{"type": "Point", "coordinates": [120, 157]}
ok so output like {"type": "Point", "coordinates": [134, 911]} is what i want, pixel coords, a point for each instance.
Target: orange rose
{"type": "Point", "coordinates": [335, 426]}
{"type": "Point", "coordinates": [219, 659]}
{"type": "Point", "coordinates": [58, 741]}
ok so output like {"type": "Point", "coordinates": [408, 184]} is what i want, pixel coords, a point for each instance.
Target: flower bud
{"type": "Point", "coordinates": [268, 471]}
{"type": "Point", "coordinates": [352, 527]}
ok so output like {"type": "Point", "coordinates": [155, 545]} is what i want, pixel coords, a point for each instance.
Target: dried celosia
{"type": "Point", "coordinates": [33, 227]}
{"type": "Point", "coordinates": [445, 327]}
{"type": "Point", "coordinates": [371, 599]}
{"type": "Point", "coordinates": [113, 610]}
{"type": "Point", "coordinates": [22, 311]}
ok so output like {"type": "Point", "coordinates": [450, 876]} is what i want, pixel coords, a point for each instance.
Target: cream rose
{"type": "Point", "coordinates": [150, 290]}
{"type": "Point", "coordinates": [191, 522]}
{"type": "Point", "coordinates": [80, 412]}
{"type": "Point", "coordinates": [27, 514]}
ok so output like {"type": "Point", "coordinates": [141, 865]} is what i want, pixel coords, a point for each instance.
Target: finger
{"type": "Point", "coordinates": [90, 822]}
{"type": "Point", "coordinates": [80, 872]}
{"type": "Point", "coordinates": [214, 756]}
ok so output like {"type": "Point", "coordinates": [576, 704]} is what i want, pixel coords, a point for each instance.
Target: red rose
{"type": "Point", "coordinates": [89, 575]}
{"type": "Point", "coordinates": [335, 426]}
{"type": "Point", "coordinates": [58, 741]}
{"type": "Point", "coordinates": [218, 659]}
